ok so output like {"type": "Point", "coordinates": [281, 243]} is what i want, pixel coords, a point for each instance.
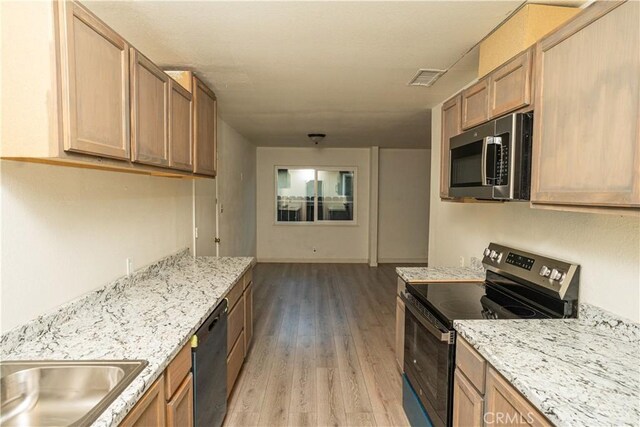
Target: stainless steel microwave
{"type": "Point", "coordinates": [493, 161]}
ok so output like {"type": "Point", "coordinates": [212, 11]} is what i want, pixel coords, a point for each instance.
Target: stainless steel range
{"type": "Point", "coordinates": [518, 285]}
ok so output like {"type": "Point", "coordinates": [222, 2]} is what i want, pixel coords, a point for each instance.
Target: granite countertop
{"type": "Point", "coordinates": [577, 372]}
{"type": "Point", "coordinates": [150, 315]}
{"type": "Point", "coordinates": [441, 274]}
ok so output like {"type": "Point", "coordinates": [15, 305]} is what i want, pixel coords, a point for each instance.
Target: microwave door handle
{"type": "Point", "coordinates": [483, 169]}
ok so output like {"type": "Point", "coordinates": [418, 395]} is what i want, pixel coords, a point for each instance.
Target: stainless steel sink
{"type": "Point", "coordinates": [61, 393]}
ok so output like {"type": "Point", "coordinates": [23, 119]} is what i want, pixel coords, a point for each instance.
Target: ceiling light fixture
{"type": "Point", "coordinates": [316, 137]}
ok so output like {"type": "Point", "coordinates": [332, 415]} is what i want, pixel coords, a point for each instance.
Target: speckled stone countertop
{"type": "Point", "coordinates": [150, 315]}
{"type": "Point", "coordinates": [441, 274]}
{"type": "Point", "coordinates": [577, 372]}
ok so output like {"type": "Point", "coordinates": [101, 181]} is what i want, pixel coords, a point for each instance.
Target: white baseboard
{"type": "Point", "coordinates": [315, 260]}
{"type": "Point", "coordinates": [402, 260]}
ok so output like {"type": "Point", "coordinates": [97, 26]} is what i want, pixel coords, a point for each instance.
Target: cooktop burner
{"type": "Point", "coordinates": [451, 301]}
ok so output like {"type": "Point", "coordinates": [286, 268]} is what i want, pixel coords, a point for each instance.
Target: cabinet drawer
{"type": "Point", "coordinates": [235, 325]}
{"type": "Point", "coordinates": [471, 364]}
{"type": "Point", "coordinates": [234, 363]}
{"type": "Point", "coordinates": [180, 407]}
{"type": "Point", "coordinates": [177, 370]}
{"type": "Point", "coordinates": [475, 104]}
{"type": "Point", "coordinates": [234, 294]}
{"type": "Point", "coordinates": [248, 278]}
{"type": "Point", "coordinates": [510, 85]}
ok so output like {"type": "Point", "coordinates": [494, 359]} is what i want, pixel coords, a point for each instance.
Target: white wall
{"type": "Point", "coordinates": [67, 231]}
{"type": "Point", "coordinates": [236, 193]}
{"type": "Point", "coordinates": [606, 246]}
{"type": "Point", "coordinates": [403, 205]}
{"type": "Point", "coordinates": [295, 242]}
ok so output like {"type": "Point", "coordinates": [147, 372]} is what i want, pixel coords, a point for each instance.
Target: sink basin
{"type": "Point", "coordinates": [61, 393]}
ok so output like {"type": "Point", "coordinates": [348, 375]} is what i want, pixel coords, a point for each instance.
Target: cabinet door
{"type": "Point", "coordinates": [467, 403]}
{"type": "Point", "coordinates": [149, 112]}
{"type": "Point", "coordinates": [180, 128]}
{"type": "Point", "coordinates": [475, 104]}
{"type": "Point", "coordinates": [150, 409]}
{"type": "Point", "coordinates": [451, 126]}
{"type": "Point", "coordinates": [506, 407]}
{"type": "Point", "coordinates": [180, 407]}
{"type": "Point", "coordinates": [234, 363]}
{"type": "Point", "coordinates": [95, 84]}
{"type": "Point", "coordinates": [248, 317]}
{"type": "Point", "coordinates": [205, 128]}
{"type": "Point", "coordinates": [235, 324]}
{"type": "Point", "coordinates": [400, 333]}
{"type": "Point", "coordinates": [585, 141]}
{"type": "Point", "coordinates": [510, 85]}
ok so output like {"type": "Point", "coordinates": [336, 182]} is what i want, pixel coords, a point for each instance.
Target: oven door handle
{"type": "Point", "coordinates": [428, 325]}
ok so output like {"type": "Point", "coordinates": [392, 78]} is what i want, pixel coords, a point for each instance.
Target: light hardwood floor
{"type": "Point", "coordinates": [323, 349]}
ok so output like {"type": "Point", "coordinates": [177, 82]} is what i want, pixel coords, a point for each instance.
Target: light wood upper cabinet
{"type": "Point", "coordinates": [468, 403]}
{"type": "Point", "coordinates": [205, 128]}
{"type": "Point", "coordinates": [505, 406]}
{"type": "Point", "coordinates": [180, 128]}
{"type": "Point", "coordinates": [586, 149]}
{"type": "Point", "coordinates": [149, 112]}
{"type": "Point", "coordinates": [451, 126]}
{"type": "Point", "coordinates": [150, 409]}
{"type": "Point", "coordinates": [95, 84]}
{"type": "Point", "coordinates": [510, 85]}
{"type": "Point", "coordinates": [475, 104]}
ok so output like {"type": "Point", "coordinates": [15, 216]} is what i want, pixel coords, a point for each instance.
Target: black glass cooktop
{"type": "Point", "coordinates": [451, 301]}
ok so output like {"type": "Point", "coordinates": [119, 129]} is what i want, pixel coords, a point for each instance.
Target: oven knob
{"type": "Point", "coordinates": [544, 271]}
{"type": "Point", "coordinates": [487, 251]}
{"type": "Point", "coordinates": [499, 258]}
{"type": "Point", "coordinates": [493, 255]}
{"type": "Point", "coordinates": [555, 274]}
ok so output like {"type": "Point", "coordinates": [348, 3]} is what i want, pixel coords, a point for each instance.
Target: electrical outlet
{"type": "Point", "coordinates": [129, 266]}
{"type": "Point", "coordinates": [196, 232]}
{"type": "Point", "coordinates": [461, 261]}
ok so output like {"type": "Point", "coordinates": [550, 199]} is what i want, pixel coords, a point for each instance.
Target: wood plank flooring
{"type": "Point", "coordinates": [323, 349]}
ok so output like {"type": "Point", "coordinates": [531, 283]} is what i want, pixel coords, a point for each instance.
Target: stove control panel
{"type": "Point", "coordinates": [557, 277]}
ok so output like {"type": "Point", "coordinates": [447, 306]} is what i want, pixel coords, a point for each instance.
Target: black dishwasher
{"type": "Point", "coordinates": [209, 353]}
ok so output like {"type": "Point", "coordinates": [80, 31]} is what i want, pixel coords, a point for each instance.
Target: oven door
{"type": "Point", "coordinates": [428, 362]}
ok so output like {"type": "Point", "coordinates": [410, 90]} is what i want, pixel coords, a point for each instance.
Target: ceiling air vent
{"type": "Point", "coordinates": [426, 77]}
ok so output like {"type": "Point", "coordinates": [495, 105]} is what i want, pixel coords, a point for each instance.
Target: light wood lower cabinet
{"type": "Point", "coordinates": [234, 362]}
{"type": "Point", "coordinates": [586, 143]}
{"type": "Point", "coordinates": [400, 313]}
{"type": "Point", "coordinates": [481, 396]}
{"type": "Point", "coordinates": [180, 407]}
{"type": "Point", "coordinates": [506, 407]}
{"type": "Point", "coordinates": [248, 317]}
{"type": "Point", "coordinates": [235, 323]}
{"type": "Point", "coordinates": [467, 403]}
{"type": "Point", "coordinates": [150, 409]}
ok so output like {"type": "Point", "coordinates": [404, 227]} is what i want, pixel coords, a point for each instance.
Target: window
{"type": "Point", "coordinates": [310, 195]}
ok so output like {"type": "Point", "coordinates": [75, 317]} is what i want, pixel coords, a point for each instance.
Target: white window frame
{"type": "Point", "coordinates": [316, 222]}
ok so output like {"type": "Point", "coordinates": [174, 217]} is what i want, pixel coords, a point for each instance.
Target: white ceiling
{"type": "Point", "coordinates": [285, 69]}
